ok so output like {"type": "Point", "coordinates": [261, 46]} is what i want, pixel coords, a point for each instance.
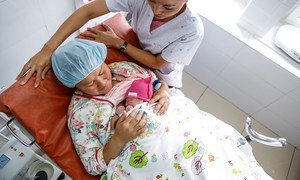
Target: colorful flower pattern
{"type": "Point", "coordinates": [185, 143]}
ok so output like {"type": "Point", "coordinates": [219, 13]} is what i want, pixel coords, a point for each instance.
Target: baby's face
{"type": "Point", "coordinates": [132, 101]}
{"type": "Point", "coordinates": [98, 82]}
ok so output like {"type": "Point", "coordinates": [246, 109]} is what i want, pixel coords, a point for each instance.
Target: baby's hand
{"type": "Point", "coordinates": [120, 109]}
{"type": "Point", "coordinates": [128, 108]}
{"type": "Point", "coordinates": [131, 126]}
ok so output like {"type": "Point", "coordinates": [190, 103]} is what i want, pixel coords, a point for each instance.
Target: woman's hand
{"type": "Point", "coordinates": [128, 128]}
{"type": "Point", "coordinates": [161, 96]}
{"type": "Point", "coordinates": [108, 37]}
{"type": "Point", "coordinates": [39, 63]}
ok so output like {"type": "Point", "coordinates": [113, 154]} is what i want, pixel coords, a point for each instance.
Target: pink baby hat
{"type": "Point", "coordinates": [141, 88]}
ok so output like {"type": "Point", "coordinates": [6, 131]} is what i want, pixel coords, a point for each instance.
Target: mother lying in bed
{"type": "Point", "coordinates": [182, 143]}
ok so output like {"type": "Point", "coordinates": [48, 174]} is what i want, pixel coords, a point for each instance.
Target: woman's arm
{"type": "Point", "coordinates": [110, 39]}
{"type": "Point", "coordinates": [41, 62]}
{"type": "Point", "coordinates": [144, 57]}
{"type": "Point", "coordinates": [77, 20]}
{"type": "Point", "coordinates": [127, 128]}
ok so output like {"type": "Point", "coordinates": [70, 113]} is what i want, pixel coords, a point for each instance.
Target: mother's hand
{"type": "Point", "coordinates": [161, 96]}
{"type": "Point", "coordinates": [39, 63]}
{"type": "Point", "coordinates": [129, 127]}
{"type": "Point", "coordinates": [108, 37]}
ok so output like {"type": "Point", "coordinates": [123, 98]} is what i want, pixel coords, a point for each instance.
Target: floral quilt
{"type": "Point", "coordinates": [186, 143]}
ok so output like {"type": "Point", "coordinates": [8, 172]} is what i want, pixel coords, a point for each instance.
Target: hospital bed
{"type": "Point", "coordinates": [42, 111]}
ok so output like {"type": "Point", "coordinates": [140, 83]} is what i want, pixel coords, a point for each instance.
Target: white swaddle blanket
{"type": "Point", "coordinates": [186, 143]}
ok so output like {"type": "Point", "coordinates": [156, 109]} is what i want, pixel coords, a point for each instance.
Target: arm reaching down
{"type": "Point", "coordinates": [110, 39]}
{"type": "Point", "coordinates": [41, 63]}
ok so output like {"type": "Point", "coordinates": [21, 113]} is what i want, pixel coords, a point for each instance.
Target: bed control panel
{"type": "Point", "coordinates": [20, 162]}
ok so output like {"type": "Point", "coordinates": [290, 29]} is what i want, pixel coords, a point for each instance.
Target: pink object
{"type": "Point", "coordinates": [155, 25]}
{"type": "Point", "coordinates": [141, 88]}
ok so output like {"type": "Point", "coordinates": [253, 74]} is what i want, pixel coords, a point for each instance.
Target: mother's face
{"type": "Point", "coordinates": [98, 82]}
{"type": "Point", "coordinates": [165, 10]}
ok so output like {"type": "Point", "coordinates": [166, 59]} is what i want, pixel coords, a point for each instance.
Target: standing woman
{"type": "Point", "coordinates": [168, 31]}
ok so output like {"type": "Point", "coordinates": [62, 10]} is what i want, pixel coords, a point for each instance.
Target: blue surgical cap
{"type": "Point", "coordinates": [75, 60]}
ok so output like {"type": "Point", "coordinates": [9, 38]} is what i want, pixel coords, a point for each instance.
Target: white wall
{"type": "Point", "coordinates": [249, 80]}
{"type": "Point", "coordinates": [294, 17]}
{"type": "Point", "coordinates": [261, 15]}
{"type": "Point", "coordinates": [25, 26]}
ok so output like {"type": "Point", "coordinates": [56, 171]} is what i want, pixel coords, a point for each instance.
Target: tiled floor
{"type": "Point", "coordinates": [280, 163]}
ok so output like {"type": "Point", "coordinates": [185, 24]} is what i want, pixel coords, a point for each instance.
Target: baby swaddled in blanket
{"type": "Point", "coordinates": [184, 143]}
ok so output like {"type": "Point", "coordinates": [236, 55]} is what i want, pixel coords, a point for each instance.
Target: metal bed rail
{"type": "Point", "coordinates": [13, 127]}
{"type": "Point", "coordinates": [255, 136]}
{"type": "Point", "coordinates": [10, 129]}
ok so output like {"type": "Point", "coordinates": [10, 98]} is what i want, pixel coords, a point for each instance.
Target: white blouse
{"type": "Point", "coordinates": [177, 40]}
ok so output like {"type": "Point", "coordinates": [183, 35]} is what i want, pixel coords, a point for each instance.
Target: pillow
{"type": "Point", "coordinates": [42, 111]}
